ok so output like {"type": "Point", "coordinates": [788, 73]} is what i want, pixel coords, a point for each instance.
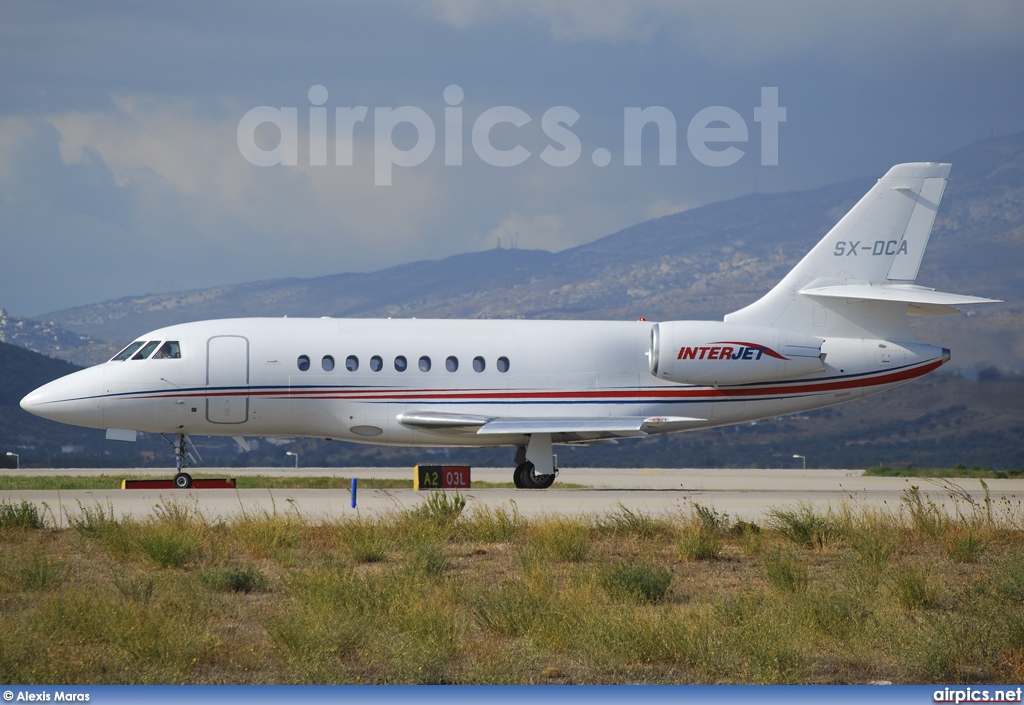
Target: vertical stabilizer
{"type": "Point", "coordinates": [880, 242]}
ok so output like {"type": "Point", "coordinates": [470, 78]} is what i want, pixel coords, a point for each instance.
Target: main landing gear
{"type": "Point", "coordinates": [526, 477]}
{"type": "Point", "coordinates": [182, 459]}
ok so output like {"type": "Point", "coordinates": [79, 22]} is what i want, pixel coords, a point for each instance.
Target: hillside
{"type": "Point", "coordinates": [21, 371]}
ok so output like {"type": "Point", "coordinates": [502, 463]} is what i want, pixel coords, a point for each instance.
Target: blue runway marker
{"type": "Point", "coordinates": [354, 482]}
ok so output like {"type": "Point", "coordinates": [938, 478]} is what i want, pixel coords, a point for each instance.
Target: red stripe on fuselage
{"type": "Point", "coordinates": [650, 393]}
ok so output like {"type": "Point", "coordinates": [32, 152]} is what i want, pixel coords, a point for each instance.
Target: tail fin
{"type": "Point", "coordinates": [859, 280]}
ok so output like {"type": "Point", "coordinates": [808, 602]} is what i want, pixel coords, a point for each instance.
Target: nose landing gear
{"type": "Point", "coordinates": [183, 458]}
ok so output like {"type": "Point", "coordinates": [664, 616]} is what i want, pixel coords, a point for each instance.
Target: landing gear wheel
{"type": "Point", "coordinates": [525, 477]}
{"type": "Point", "coordinates": [182, 480]}
{"type": "Point", "coordinates": [541, 482]}
{"type": "Point", "coordinates": [519, 477]}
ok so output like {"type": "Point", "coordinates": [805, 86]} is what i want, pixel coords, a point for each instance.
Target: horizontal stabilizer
{"type": "Point", "coordinates": [873, 254]}
{"type": "Point", "coordinates": [921, 301]}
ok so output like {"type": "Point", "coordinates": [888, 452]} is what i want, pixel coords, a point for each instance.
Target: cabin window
{"type": "Point", "coordinates": [168, 351]}
{"type": "Point", "coordinates": [146, 351]}
{"type": "Point", "coordinates": [502, 364]}
{"type": "Point", "coordinates": [376, 363]}
{"type": "Point", "coordinates": [452, 363]}
{"type": "Point", "coordinates": [351, 363]}
{"type": "Point", "coordinates": [478, 364]}
{"type": "Point", "coordinates": [424, 364]}
{"type": "Point", "coordinates": [303, 362]}
{"type": "Point", "coordinates": [327, 363]}
{"type": "Point", "coordinates": [401, 363]}
{"type": "Point", "coordinates": [128, 352]}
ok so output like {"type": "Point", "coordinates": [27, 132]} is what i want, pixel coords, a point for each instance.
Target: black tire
{"type": "Point", "coordinates": [521, 474]}
{"type": "Point", "coordinates": [182, 481]}
{"type": "Point", "coordinates": [526, 478]}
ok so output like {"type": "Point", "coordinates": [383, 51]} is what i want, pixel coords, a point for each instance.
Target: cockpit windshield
{"type": "Point", "coordinates": [141, 350]}
{"type": "Point", "coordinates": [128, 351]}
{"type": "Point", "coordinates": [168, 350]}
{"type": "Point", "coordinates": [146, 351]}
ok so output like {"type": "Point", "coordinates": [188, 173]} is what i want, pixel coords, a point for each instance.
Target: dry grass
{"type": "Point", "coordinates": [450, 594]}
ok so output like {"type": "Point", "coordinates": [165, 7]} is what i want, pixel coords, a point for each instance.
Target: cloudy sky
{"type": "Point", "coordinates": [132, 134]}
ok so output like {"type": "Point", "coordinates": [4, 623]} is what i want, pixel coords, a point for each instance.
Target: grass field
{"type": "Point", "coordinates": [441, 594]}
{"type": "Point", "coordinates": [958, 471]}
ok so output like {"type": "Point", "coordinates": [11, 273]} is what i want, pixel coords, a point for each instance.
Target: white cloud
{"type": "Point", "coordinates": [157, 197]}
{"type": "Point", "coordinates": [172, 156]}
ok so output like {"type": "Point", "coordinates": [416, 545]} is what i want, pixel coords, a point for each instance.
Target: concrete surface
{"type": "Point", "coordinates": [743, 494]}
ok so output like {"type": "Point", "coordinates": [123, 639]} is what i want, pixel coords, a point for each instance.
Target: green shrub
{"type": "Point", "coordinates": [560, 539]}
{"type": "Point", "coordinates": [965, 545]}
{"type": "Point", "coordinates": [20, 516]}
{"type": "Point", "coordinates": [237, 578]}
{"type": "Point", "coordinates": [509, 610]}
{"type": "Point", "coordinates": [873, 546]}
{"type": "Point", "coordinates": [135, 588]}
{"type": "Point", "coordinates": [101, 524]}
{"type": "Point", "coordinates": [93, 520]}
{"type": "Point", "coordinates": [368, 547]}
{"type": "Point", "coordinates": [743, 528]}
{"type": "Point", "coordinates": [836, 611]}
{"type": "Point", "coordinates": [1009, 581]}
{"type": "Point", "coordinates": [711, 520]}
{"type": "Point", "coordinates": [441, 508]}
{"type": "Point", "coordinates": [750, 637]}
{"type": "Point", "coordinates": [37, 573]}
{"type": "Point", "coordinates": [748, 537]}
{"type": "Point", "coordinates": [803, 526]}
{"type": "Point", "coordinates": [625, 522]}
{"type": "Point", "coordinates": [492, 525]}
{"type": "Point", "coordinates": [938, 649]}
{"type": "Point", "coordinates": [785, 570]}
{"type": "Point", "coordinates": [912, 588]}
{"type": "Point", "coordinates": [168, 546]}
{"type": "Point", "coordinates": [268, 535]}
{"type": "Point", "coordinates": [640, 582]}
{"type": "Point", "coordinates": [428, 557]}
{"type": "Point", "coordinates": [928, 519]}
{"type": "Point", "coordinates": [697, 543]}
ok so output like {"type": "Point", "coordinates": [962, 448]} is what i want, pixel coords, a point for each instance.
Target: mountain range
{"type": "Point", "coordinates": [697, 264]}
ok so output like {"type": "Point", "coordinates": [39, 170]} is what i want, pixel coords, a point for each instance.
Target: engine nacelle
{"type": "Point", "coordinates": [714, 353]}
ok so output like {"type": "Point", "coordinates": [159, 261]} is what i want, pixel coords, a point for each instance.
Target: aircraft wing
{"type": "Point", "coordinates": [562, 429]}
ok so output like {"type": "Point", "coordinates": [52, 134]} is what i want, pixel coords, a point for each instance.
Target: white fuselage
{"type": "Point", "coordinates": [247, 377]}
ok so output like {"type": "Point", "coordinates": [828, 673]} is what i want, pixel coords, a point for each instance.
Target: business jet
{"type": "Point", "coordinates": [833, 330]}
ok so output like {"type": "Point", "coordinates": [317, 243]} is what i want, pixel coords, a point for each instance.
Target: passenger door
{"type": "Point", "coordinates": [227, 379]}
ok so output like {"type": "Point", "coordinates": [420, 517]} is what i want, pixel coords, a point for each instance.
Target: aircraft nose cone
{"type": "Point", "coordinates": [32, 401]}
{"type": "Point", "coordinates": [73, 399]}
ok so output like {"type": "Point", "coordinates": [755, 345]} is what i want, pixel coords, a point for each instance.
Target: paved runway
{"type": "Point", "coordinates": [743, 494]}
